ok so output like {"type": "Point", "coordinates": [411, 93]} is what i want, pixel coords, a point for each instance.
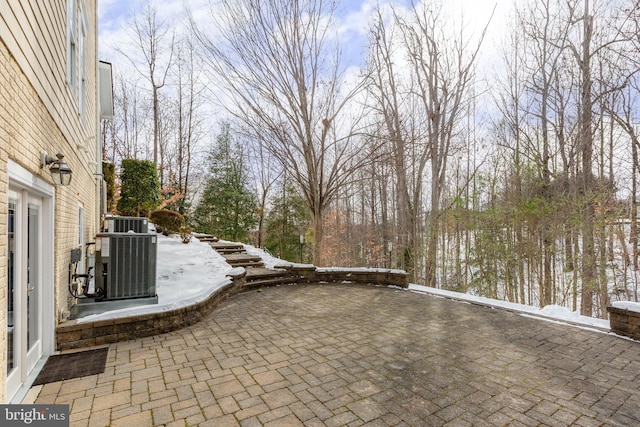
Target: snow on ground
{"type": "Point", "coordinates": [550, 312]}
{"type": "Point", "coordinates": [185, 274]}
{"type": "Point", "coordinates": [269, 260]}
{"type": "Point", "coordinates": [188, 273]}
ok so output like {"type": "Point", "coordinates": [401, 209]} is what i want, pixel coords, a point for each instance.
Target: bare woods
{"type": "Point", "coordinates": [496, 157]}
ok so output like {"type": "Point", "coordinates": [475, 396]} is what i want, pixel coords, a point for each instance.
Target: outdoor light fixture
{"type": "Point", "coordinates": [60, 171]}
{"type": "Point", "coordinates": [301, 245]}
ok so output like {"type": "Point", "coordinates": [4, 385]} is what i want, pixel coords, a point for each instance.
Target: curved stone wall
{"type": "Point", "coordinates": [73, 334]}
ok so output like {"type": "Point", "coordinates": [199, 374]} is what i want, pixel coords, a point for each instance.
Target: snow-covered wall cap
{"type": "Point", "coordinates": [360, 269]}
{"type": "Point", "coordinates": [627, 305]}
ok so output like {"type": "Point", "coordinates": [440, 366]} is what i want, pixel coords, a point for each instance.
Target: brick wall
{"type": "Point", "coordinates": [26, 128]}
{"type": "Point", "coordinates": [32, 129]}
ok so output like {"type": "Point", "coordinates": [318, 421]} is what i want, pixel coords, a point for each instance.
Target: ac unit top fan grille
{"type": "Point", "coordinates": [124, 224]}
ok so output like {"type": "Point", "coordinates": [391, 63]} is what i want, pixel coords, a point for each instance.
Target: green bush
{"type": "Point", "coordinates": [109, 173]}
{"type": "Point", "coordinates": [166, 221]}
{"type": "Point", "coordinates": [140, 188]}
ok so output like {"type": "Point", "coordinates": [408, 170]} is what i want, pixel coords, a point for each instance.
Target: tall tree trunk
{"type": "Point", "coordinates": [442, 64]}
{"type": "Point", "coordinates": [589, 272]}
{"type": "Point", "coordinates": [633, 238]}
{"type": "Point", "coordinates": [318, 231]}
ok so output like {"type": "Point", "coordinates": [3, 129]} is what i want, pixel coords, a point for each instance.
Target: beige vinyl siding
{"type": "Point", "coordinates": [23, 44]}
{"type": "Point", "coordinates": [43, 59]}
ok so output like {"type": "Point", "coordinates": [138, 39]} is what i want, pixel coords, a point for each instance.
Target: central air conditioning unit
{"type": "Point", "coordinates": [124, 224]}
{"type": "Point", "coordinates": [125, 265]}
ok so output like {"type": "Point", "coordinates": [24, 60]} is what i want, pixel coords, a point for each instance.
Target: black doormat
{"type": "Point", "coordinates": [67, 366]}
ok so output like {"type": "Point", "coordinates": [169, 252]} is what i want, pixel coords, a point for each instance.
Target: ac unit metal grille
{"type": "Point", "coordinates": [124, 224]}
{"type": "Point", "coordinates": [129, 262]}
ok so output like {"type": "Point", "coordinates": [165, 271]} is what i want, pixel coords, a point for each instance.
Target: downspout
{"type": "Point", "coordinates": [98, 175]}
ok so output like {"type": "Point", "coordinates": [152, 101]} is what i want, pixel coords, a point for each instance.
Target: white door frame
{"type": "Point", "coordinates": [27, 187]}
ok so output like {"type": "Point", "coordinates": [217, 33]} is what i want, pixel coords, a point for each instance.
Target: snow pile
{"type": "Point", "coordinates": [627, 305]}
{"type": "Point", "coordinates": [554, 312]}
{"type": "Point", "coordinates": [185, 275]}
{"type": "Point", "coordinates": [269, 260]}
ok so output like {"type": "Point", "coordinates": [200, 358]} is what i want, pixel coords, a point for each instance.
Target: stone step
{"type": "Point", "coordinates": [243, 260]}
{"type": "Point", "coordinates": [226, 246]}
{"type": "Point", "coordinates": [250, 284]}
{"type": "Point", "coordinates": [205, 237]}
{"type": "Point", "coordinates": [260, 273]}
{"type": "Point", "coordinates": [259, 277]}
{"type": "Point", "coordinates": [224, 251]}
{"type": "Point", "coordinates": [246, 264]}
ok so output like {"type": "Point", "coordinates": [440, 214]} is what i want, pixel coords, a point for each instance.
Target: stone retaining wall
{"type": "Point", "coordinates": [624, 322]}
{"type": "Point", "coordinates": [73, 334]}
{"type": "Point", "coordinates": [385, 277]}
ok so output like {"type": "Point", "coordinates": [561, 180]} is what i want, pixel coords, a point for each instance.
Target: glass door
{"type": "Point", "coordinates": [11, 260]}
{"type": "Point", "coordinates": [24, 300]}
{"type": "Point", "coordinates": [33, 284]}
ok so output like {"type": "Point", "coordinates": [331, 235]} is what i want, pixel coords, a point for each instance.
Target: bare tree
{"type": "Point", "coordinates": [443, 64]}
{"type": "Point", "coordinates": [264, 171]}
{"type": "Point", "coordinates": [625, 115]}
{"type": "Point", "coordinates": [124, 134]}
{"type": "Point", "coordinates": [544, 55]}
{"type": "Point", "coordinates": [283, 78]}
{"type": "Point", "coordinates": [390, 103]}
{"type": "Point", "coordinates": [190, 123]}
{"type": "Point", "coordinates": [599, 43]}
{"type": "Point", "coordinates": [511, 101]}
{"type": "Point", "coordinates": [152, 39]}
{"type": "Point", "coordinates": [573, 60]}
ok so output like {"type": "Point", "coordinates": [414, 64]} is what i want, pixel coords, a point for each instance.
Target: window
{"type": "Point", "coordinates": [72, 45]}
{"type": "Point", "coordinates": [76, 52]}
{"type": "Point", "coordinates": [80, 225]}
{"type": "Point", "coordinates": [81, 236]}
{"type": "Point", "coordinates": [82, 36]}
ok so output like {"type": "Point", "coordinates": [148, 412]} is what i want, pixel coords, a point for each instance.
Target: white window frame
{"type": "Point", "coordinates": [22, 181]}
{"type": "Point", "coordinates": [81, 266]}
{"type": "Point", "coordinates": [82, 36]}
{"type": "Point", "coordinates": [72, 46]}
{"type": "Point", "coordinates": [76, 53]}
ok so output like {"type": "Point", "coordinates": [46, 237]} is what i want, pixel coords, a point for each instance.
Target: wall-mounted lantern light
{"type": "Point", "coordinates": [60, 171]}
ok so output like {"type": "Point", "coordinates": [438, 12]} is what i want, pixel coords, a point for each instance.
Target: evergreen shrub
{"type": "Point", "coordinates": [109, 173]}
{"type": "Point", "coordinates": [140, 188]}
{"type": "Point", "coordinates": [166, 221]}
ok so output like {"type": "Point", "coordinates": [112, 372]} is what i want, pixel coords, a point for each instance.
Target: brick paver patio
{"type": "Point", "coordinates": [360, 356]}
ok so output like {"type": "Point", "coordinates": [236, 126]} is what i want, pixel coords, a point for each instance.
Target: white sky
{"type": "Point", "coordinates": [352, 16]}
{"type": "Point", "coordinates": [115, 16]}
{"type": "Point", "coordinates": [188, 273]}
